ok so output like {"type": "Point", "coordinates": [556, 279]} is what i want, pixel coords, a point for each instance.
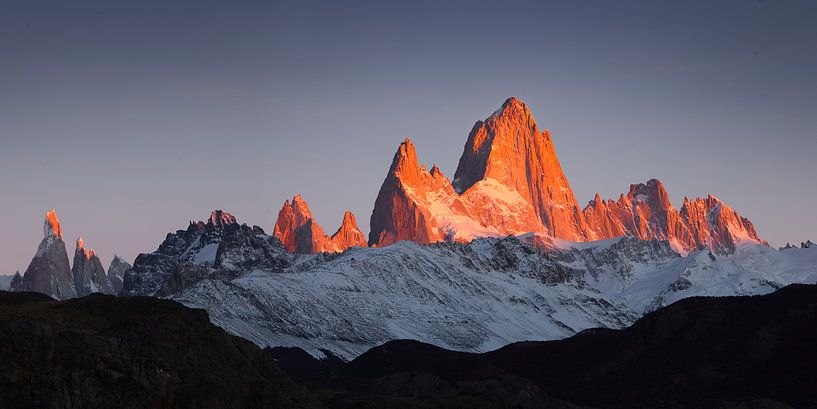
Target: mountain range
{"type": "Point", "coordinates": [502, 253]}
{"type": "Point", "coordinates": [510, 182]}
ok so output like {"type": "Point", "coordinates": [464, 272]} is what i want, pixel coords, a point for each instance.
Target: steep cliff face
{"type": "Point", "coordinates": [116, 272]}
{"type": "Point", "coordinates": [401, 211]}
{"type": "Point", "coordinates": [348, 234]}
{"type": "Point", "coordinates": [300, 233]}
{"type": "Point", "coordinates": [292, 216]}
{"type": "Point", "coordinates": [508, 147]}
{"type": "Point", "coordinates": [89, 275]}
{"type": "Point", "coordinates": [217, 248]}
{"type": "Point", "coordinates": [508, 181]}
{"type": "Point", "coordinates": [646, 213]}
{"type": "Point", "coordinates": [716, 225]}
{"type": "Point", "coordinates": [49, 272]}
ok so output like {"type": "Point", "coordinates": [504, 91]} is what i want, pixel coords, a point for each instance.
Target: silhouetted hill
{"type": "Point", "coordinates": [107, 352]}
{"type": "Point", "coordinates": [700, 352]}
{"type": "Point", "coordinates": [102, 351]}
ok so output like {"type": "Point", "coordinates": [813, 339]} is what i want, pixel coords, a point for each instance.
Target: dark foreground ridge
{"type": "Point", "coordinates": [102, 351]}
{"type": "Point", "coordinates": [106, 352]}
{"type": "Point", "coordinates": [725, 352]}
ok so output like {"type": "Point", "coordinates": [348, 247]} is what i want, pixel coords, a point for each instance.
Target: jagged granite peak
{"type": "Point", "coordinates": [300, 233]}
{"type": "Point", "coordinates": [291, 216]}
{"type": "Point", "coordinates": [203, 250]}
{"type": "Point", "coordinates": [493, 194]}
{"type": "Point", "coordinates": [509, 147]}
{"type": "Point", "coordinates": [116, 272]}
{"type": "Point", "coordinates": [219, 219]}
{"type": "Point", "coordinates": [647, 213]}
{"type": "Point", "coordinates": [89, 275]}
{"type": "Point", "coordinates": [348, 234]}
{"type": "Point", "coordinates": [49, 272]}
{"type": "Point", "coordinates": [716, 225]}
{"type": "Point", "coordinates": [51, 226]}
{"type": "Point", "coordinates": [398, 214]}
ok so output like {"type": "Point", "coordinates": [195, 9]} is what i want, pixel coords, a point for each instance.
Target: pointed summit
{"type": "Point", "coordinates": [81, 249]}
{"type": "Point", "coordinates": [52, 225]}
{"type": "Point", "coordinates": [348, 234]}
{"type": "Point", "coordinates": [220, 219]}
{"type": "Point", "coordinates": [509, 148]}
{"type": "Point", "coordinates": [300, 233]}
{"type": "Point", "coordinates": [116, 273]}
{"type": "Point", "coordinates": [292, 216]}
{"type": "Point", "coordinates": [89, 275]}
{"type": "Point", "coordinates": [399, 212]}
{"type": "Point", "coordinates": [49, 272]}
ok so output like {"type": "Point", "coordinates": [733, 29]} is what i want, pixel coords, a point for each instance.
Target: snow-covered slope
{"type": "Point", "coordinates": [478, 296]}
{"type": "Point", "coordinates": [467, 297]}
{"type": "Point", "coordinates": [474, 296]}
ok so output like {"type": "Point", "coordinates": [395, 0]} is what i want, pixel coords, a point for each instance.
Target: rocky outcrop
{"type": "Point", "coordinates": [508, 147]}
{"type": "Point", "coordinates": [300, 233]}
{"type": "Point", "coordinates": [116, 272]}
{"type": "Point", "coordinates": [49, 272]}
{"type": "Point", "coordinates": [89, 275]}
{"type": "Point", "coordinates": [716, 225]}
{"type": "Point", "coordinates": [348, 234]}
{"type": "Point", "coordinates": [399, 211]}
{"type": "Point", "coordinates": [646, 213]}
{"type": "Point", "coordinates": [508, 181]}
{"type": "Point", "coordinates": [220, 247]}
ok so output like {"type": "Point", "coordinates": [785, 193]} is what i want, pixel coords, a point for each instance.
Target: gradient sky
{"type": "Point", "coordinates": [132, 118]}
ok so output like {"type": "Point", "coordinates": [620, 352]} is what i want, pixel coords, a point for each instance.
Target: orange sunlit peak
{"type": "Point", "coordinates": [88, 253]}
{"type": "Point", "coordinates": [53, 224]}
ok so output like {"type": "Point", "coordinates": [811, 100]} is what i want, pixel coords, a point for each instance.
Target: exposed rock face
{"type": "Point", "coordinates": [509, 147]}
{"type": "Point", "coordinates": [348, 234]}
{"type": "Point", "coordinates": [49, 272]}
{"type": "Point", "coordinates": [89, 275]}
{"type": "Point", "coordinates": [300, 233]}
{"type": "Point", "coordinates": [116, 272]}
{"type": "Point", "coordinates": [219, 247]}
{"type": "Point", "coordinates": [399, 211]}
{"type": "Point", "coordinates": [715, 225]}
{"type": "Point", "coordinates": [291, 216]}
{"type": "Point", "coordinates": [646, 213]}
{"type": "Point", "coordinates": [508, 181]}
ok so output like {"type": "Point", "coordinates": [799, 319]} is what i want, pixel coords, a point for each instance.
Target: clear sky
{"type": "Point", "coordinates": [132, 118]}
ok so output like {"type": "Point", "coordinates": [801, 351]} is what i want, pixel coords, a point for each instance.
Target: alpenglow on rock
{"type": "Point", "coordinates": [300, 233]}
{"type": "Point", "coordinates": [89, 275]}
{"type": "Point", "coordinates": [510, 182]}
{"type": "Point", "coordinates": [49, 272]}
{"type": "Point", "coordinates": [646, 213]}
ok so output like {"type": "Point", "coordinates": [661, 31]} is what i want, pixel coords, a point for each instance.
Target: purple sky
{"type": "Point", "coordinates": [133, 119]}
